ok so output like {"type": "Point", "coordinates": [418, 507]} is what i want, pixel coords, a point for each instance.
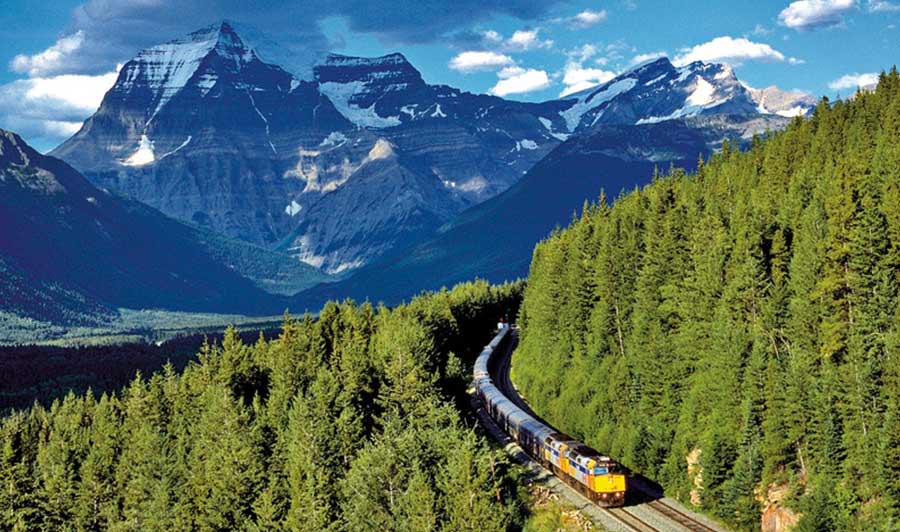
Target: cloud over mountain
{"type": "Point", "coordinates": [730, 50]}
{"type": "Point", "coordinates": [518, 80]}
{"type": "Point", "coordinates": [479, 61]}
{"type": "Point", "coordinates": [108, 31]}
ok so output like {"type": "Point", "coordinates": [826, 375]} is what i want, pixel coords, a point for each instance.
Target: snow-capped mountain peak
{"type": "Point", "coordinates": [199, 60]}
{"type": "Point", "coordinates": [391, 69]}
{"type": "Point", "coordinates": [656, 91]}
{"type": "Point", "coordinates": [356, 84]}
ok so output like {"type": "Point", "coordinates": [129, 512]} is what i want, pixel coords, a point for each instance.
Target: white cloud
{"type": "Point", "coordinates": [644, 58]}
{"type": "Point", "coordinates": [588, 18]}
{"type": "Point", "coordinates": [518, 80]}
{"type": "Point", "coordinates": [83, 93]}
{"type": "Point", "coordinates": [523, 40]}
{"type": "Point", "coordinates": [492, 36]}
{"type": "Point", "coordinates": [576, 78]}
{"type": "Point", "coordinates": [51, 108]}
{"type": "Point", "coordinates": [583, 53]}
{"type": "Point", "coordinates": [479, 61]}
{"type": "Point", "coordinates": [812, 14]}
{"type": "Point", "coordinates": [732, 51]}
{"type": "Point", "coordinates": [883, 5]}
{"type": "Point", "coordinates": [51, 59]}
{"type": "Point", "coordinates": [853, 81]}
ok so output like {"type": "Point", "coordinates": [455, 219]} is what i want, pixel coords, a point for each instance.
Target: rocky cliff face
{"type": "Point", "coordinates": [776, 516]}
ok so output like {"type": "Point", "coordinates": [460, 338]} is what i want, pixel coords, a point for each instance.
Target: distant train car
{"type": "Point", "coordinates": [597, 477]}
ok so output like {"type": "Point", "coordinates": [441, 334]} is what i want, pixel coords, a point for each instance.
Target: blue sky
{"type": "Point", "coordinates": [59, 57]}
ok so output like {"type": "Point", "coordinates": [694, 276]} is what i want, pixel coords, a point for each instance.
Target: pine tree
{"type": "Point", "coordinates": [98, 502]}
{"type": "Point", "coordinates": [416, 505]}
{"type": "Point", "coordinates": [224, 468]}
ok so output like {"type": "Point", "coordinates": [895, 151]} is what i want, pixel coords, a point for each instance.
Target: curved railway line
{"type": "Point", "coordinates": [652, 514]}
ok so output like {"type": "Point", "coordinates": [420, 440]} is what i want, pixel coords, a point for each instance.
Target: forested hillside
{"type": "Point", "coordinates": [346, 422]}
{"type": "Point", "coordinates": [734, 332]}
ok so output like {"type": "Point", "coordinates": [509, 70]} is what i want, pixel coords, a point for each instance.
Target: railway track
{"type": "Point", "coordinates": [630, 520]}
{"type": "Point", "coordinates": [679, 517]}
{"type": "Point", "coordinates": [666, 517]}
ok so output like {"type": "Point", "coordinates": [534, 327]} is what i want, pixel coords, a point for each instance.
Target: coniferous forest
{"type": "Point", "coordinates": [349, 421]}
{"type": "Point", "coordinates": [735, 333]}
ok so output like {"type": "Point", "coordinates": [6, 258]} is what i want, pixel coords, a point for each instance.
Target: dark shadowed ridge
{"type": "Point", "coordinates": [65, 242]}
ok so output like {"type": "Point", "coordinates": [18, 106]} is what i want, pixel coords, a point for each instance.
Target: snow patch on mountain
{"type": "Point", "coordinates": [144, 154]}
{"type": "Point", "coordinates": [293, 208]}
{"type": "Point", "coordinates": [176, 150]}
{"type": "Point", "coordinates": [265, 121]}
{"type": "Point", "coordinates": [703, 93]}
{"type": "Point", "coordinates": [409, 110]}
{"type": "Point", "coordinates": [475, 184]}
{"type": "Point", "coordinates": [206, 82]}
{"type": "Point", "coordinates": [793, 111]}
{"type": "Point", "coordinates": [345, 266]}
{"type": "Point", "coordinates": [573, 114]}
{"type": "Point", "coordinates": [303, 253]}
{"type": "Point", "coordinates": [548, 125]}
{"type": "Point", "coordinates": [340, 95]}
{"type": "Point", "coordinates": [335, 138]}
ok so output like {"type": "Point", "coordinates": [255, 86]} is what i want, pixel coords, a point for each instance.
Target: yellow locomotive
{"type": "Point", "coordinates": [597, 477]}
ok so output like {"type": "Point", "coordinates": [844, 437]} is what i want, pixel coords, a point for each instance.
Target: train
{"type": "Point", "coordinates": [597, 477]}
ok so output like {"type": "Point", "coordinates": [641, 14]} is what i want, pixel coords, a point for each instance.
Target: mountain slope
{"type": "Point", "coordinates": [198, 128]}
{"type": "Point", "coordinates": [494, 240]}
{"type": "Point", "coordinates": [62, 232]}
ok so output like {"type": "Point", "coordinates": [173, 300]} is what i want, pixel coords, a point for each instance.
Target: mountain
{"type": "Point", "coordinates": [358, 156]}
{"type": "Point", "coordinates": [206, 130]}
{"type": "Point", "coordinates": [494, 240]}
{"type": "Point", "coordinates": [658, 91]}
{"type": "Point", "coordinates": [198, 128]}
{"type": "Point", "coordinates": [70, 251]}
{"type": "Point", "coordinates": [773, 100]}
{"type": "Point", "coordinates": [653, 116]}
